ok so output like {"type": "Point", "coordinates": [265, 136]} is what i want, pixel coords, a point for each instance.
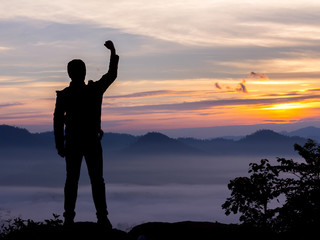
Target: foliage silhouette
{"type": "Point", "coordinates": [297, 182]}
{"type": "Point", "coordinates": [53, 229]}
{"type": "Point", "coordinates": [17, 226]}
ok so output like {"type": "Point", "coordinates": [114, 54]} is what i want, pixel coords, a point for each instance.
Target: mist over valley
{"type": "Point", "coordinates": [149, 178]}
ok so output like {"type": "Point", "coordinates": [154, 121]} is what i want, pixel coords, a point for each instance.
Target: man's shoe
{"type": "Point", "coordinates": [68, 222]}
{"type": "Point", "coordinates": [105, 223]}
{"type": "Point", "coordinates": [69, 218]}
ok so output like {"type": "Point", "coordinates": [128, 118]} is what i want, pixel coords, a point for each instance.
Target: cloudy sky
{"type": "Point", "coordinates": [184, 63]}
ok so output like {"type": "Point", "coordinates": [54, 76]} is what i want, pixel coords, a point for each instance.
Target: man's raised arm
{"type": "Point", "coordinates": [112, 73]}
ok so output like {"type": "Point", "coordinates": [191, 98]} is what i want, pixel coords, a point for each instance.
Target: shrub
{"type": "Point", "coordinates": [297, 182]}
{"type": "Point", "coordinates": [13, 228]}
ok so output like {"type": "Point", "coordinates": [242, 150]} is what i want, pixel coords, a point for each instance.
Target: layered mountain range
{"type": "Point", "coordinates": [155, 143]}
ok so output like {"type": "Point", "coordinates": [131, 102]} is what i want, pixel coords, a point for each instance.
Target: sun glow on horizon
{"type": "Point", "coordinates": [286, 106]}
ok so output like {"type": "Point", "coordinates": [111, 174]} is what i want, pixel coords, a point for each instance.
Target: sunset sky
{"type": "Point", "coordinates": [183, 63]}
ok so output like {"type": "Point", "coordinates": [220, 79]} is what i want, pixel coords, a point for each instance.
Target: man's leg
{"type": "Point", "coordinates": [94, 162]}
{"type": "Point", "coordinates": [73, 166]}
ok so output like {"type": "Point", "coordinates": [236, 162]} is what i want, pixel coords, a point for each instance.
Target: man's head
{"type": "Point", "coordinates": [77, 70]}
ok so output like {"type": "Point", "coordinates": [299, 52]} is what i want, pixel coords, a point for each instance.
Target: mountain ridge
{"type": "Point", "coordinates": [158, 143]}
{"type": "Point", "coordinates": [262, 141]}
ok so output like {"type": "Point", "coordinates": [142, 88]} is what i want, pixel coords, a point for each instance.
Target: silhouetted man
{"type": "Point", "coordinates": [77, 130]}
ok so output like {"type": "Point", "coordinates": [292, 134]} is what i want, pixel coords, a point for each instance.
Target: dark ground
{"type": "Point", "coordinates": [153, 231]}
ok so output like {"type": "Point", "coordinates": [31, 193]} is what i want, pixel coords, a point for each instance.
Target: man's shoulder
{"type": "Point", "coordinates": [93, 85]}
{"type": "Point", "coordinates": [97, 86]}
{"type": "Point", "coordinates": [63, 91]}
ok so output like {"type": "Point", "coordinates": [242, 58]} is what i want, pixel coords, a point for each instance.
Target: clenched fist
{"type": "Point", "coordinates": [109, 44]}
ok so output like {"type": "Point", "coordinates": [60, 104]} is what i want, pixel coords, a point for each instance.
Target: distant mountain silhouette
{"type": "Point", "coordinates": [307, 132]}
{"type": "Point", "coordinates": [16, 137]}
{"type": "Point", "coordinates": [31, 158]}
{"type": "Point", "coordinates": [115, 142]}
{"type": "Point", "coordinates": [268, 141]}
{"type": "Point", "coordinates": [262, 142]}
{"type": "Point", "coordinates": [158, 143]}
{"type": "Point", "coordinates": [259, 143]}
{"type": "Point", "coordinates": [264, 136]}
{"type": "Point", "coordinates": [19, 137]}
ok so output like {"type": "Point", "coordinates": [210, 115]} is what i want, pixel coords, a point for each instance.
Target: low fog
{"type": "Point", "coordinates": [139, 188]}
{"type": "Point", "coordinates": [128, 204]}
